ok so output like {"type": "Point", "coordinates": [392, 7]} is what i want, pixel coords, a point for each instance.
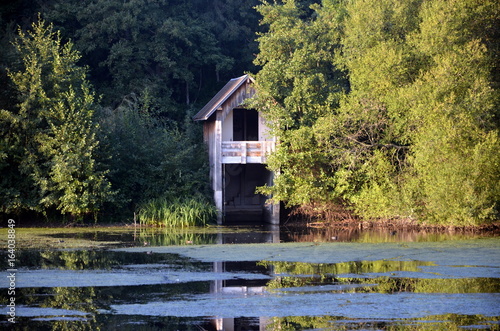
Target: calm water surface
{"type": "Point", "coordinates": [259, 278]}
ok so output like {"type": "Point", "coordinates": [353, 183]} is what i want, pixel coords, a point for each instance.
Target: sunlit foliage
{"type": "Point", "coordinates": [387, 107]}
{"type": "Point", "coordinates": [49, 139]}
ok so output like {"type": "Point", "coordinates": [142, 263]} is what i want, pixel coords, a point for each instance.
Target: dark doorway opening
{"type": "Point", "coordinates": [241, 203]}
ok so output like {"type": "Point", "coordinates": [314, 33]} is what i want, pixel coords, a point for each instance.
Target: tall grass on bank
{"type": "Point", "coordinates": [177, 212]}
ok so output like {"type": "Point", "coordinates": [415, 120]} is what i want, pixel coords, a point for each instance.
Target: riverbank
{"type": "Point", "coordinates": [339, 217]}
{"type": "Point", "coordinates": [397, 225]}
{"type": "Point", "coordinates": [296, 220]}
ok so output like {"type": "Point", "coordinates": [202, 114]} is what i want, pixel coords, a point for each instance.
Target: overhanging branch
{"type": "Point", "coordinates": [395, 146]}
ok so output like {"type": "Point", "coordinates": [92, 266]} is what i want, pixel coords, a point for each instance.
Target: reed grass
{"type": "Point", "coordinates": [176, 212]}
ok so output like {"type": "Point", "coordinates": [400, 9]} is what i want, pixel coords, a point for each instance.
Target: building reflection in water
{"type": "Point", "coordinates": [243, 287]}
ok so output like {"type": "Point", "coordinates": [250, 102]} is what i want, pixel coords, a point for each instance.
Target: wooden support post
{"type": "Point", "coordinates": [217, 175]}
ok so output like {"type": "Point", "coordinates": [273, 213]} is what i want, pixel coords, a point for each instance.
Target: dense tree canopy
{"type": "Point", "coordinates": [66, 149]}
{"type": "Point", "coordinates": [388, 107]}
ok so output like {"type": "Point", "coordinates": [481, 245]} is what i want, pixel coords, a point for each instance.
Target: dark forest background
{"type": "Point", "coordinates": [384, 109]}
{"type": "Point", "coordinates": [97, 99]}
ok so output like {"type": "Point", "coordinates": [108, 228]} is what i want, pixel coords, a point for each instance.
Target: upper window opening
{"type": "Point", "coordinates": [245, 125]}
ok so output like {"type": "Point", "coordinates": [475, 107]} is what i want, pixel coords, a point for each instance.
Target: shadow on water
{"type": "Point", "coordinates": [149, 280]}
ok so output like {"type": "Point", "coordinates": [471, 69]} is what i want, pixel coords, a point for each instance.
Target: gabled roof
{"type": "Point", "coordinates": [221, 97]}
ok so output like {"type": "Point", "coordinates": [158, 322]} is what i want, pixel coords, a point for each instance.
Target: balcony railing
{"type": "Point", "coordinates": [246, 151]}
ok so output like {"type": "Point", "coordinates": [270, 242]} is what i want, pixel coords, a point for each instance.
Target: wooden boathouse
{"type": "Point", "coordinates": [238, 143]}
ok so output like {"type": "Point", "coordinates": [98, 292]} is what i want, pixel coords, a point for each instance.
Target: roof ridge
{"type": "Point", "coordinates": [231, 86]}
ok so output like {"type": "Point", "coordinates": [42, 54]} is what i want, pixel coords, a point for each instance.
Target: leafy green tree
{"type": "Point", "coordinates": [428, 68]}
{"type": "Point", "coordinates": [456, 146]}
{"type": "Point", "coordinates": [372, 126]}
{"type": "Point", "coordinates": [413, 133]}
{"type": "Point", "coordinates": [298, 85]}
{"type": "Point", "coordinates": [50, 139]}
{"type": "Point", "coordinates": [149, 157]}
